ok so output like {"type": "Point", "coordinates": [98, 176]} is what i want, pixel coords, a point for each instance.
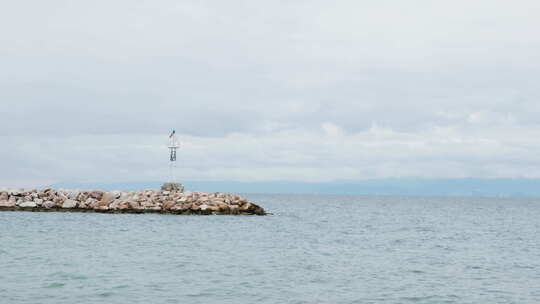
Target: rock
{"type": "Point", "coordinates": [223, 207]}
{"type": "Point", "coordinates": [123, 206]}
{"type": "Point", "coordinates": [115, 204]}
{"type": "Point", "coordinates": [83, 196]}
{"type": "Point", "coordinates": [69, 203]}
{"type": "Point", "coordinates": [134, 205]}
{"type": "Point", "coordinates": [61, 195]}
{"type": "Point", "coordinates": [58, 200]}
{"type": "Point", "coordinates": [88, 203]}
{"type": "Point", "coordinates": [49, 204]}
{"type": "Point", "coordinates": [168, 205]}
{"type": "Point", "coordinates": [7, 204]}
{"type": "Point", "coordinates": [180, 207]}
{"type": "Point", "coordinates": [27, 204]}
{"type": "Point", "coordinates": [108, 197]}
{"type": "Point", "coordinates": [93, 205]}
{"type": "Point", "coordinates": [124, 196]}
{"type": "Point", "coordinates": [73, 194]}
{"type": "Point", "coordinates": [96, 194]}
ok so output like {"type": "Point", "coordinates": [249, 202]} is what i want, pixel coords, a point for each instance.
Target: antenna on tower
{"type": "Point", "coordinates": [173, 146]}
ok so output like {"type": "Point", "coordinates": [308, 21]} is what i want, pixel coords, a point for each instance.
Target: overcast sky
{"type": "Point", "coordinates": [268, 90]}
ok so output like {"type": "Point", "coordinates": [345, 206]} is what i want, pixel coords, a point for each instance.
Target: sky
{"type": "Point", "coordinates": [315, 91]}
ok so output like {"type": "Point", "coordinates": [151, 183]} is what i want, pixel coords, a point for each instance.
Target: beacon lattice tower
{"type": "Point", "coordinates": [173, 146]}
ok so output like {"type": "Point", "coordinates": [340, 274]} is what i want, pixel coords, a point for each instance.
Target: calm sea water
{"type": "Point", "coordinates": [314, 249]}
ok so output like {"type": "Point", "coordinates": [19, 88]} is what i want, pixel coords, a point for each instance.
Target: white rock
{"type": "Point", "coordinates": [27, 204]}
{"type": "Point", "coordinates": [204, 207]}
{"type": "Point", "coordinates": [116, 194]}
{"type": "Point", "coordinates": [69, 203]}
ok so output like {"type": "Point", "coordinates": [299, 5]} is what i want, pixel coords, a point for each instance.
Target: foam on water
{"type": "Point", "coordinates": [314, 249]}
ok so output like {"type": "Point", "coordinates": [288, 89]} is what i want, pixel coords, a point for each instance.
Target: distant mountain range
{"type": "Point", "coordinates": [391, 186]}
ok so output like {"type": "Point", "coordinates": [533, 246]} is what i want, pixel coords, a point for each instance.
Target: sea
{"type": "Point", "coordinates": [312, 249]}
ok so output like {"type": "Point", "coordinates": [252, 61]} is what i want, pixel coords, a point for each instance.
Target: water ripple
{"type": "Point", "coordinates": [314, 249]}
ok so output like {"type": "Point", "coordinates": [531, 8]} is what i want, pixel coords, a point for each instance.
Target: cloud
{"type": "Point", "coordinates": [302, 90]}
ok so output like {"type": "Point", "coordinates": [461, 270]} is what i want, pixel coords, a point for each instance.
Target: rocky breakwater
{"type": "Point", "coordinates": [144, 201]}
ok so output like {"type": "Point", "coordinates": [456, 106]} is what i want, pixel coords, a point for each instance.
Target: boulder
{"type": "Point", "coordinates": [73, 194]}
{"type": "Point", "coordinates": [88, 203]}
{"type": "Point", "coordinates": [7, 204]}
{"type": "Point", "coordinates": [58, 200]}
{"type": "Point", "coordinates": [223, 207]}
{"type": "Point", "coordinates": [123, 206]}
{"type": "Point", "coordinates": [168, 205]}
{"type": "Point", "coordinates": [69, 203]}
{"type": "Point", "coordinates": [96, 194]}
{"type": "Point", "coordinates": [48, 204]}
{"type": "Point", "coordinates": [100, 206]}
{"type": "Point", "coordinates": [27, 204]}
{"type": "Point", "coordinates": [234, 209]}
{"type": "Point", "coordinates": [108, 197]}
{"type": "Point", "coordinates": [134, 205]}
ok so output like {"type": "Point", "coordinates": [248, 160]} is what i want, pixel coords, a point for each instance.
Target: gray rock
{"type": "Point", "coordinates": [48, 204]}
